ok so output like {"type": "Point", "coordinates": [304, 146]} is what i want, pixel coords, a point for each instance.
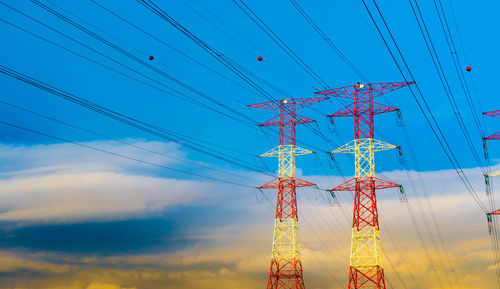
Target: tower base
{"type": "Point", "coordinates": [371, 277]}
{"type": "Point", "coordinates": [286, 275]}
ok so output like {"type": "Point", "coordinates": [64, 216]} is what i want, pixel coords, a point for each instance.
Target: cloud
{"type": "Point", "coordinates": [65, 157]}
{"type": "Point", "coordinates": [64, 183]}
{"type": "Point", "coordinates": [11, 263]}
{"type": "Point", "coordinates": [235, 253]}
{"type": "Point", "coordinates": [106, 286]}
{"type": "Point", "coordinates": [75, 196]}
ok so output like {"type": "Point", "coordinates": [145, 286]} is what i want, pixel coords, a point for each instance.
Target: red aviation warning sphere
{"type": "Point", "coordinates": [468, 68]}
{"type": "Point", "coordinates": [151, 57]}
{"type": "Point", "coordinates": [259, 58]}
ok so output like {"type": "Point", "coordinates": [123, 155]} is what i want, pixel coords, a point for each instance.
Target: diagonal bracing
{"type": "Point", "coordinates": [286, 264]}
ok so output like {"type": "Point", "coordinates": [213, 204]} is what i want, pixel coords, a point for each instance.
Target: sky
{"type": "Point", "coordinates": [90, 202]}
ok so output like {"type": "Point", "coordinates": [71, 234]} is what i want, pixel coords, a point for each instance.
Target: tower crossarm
{"type": "Point", "coordinates": [495, 174]}
{"type": "Point", "coordinates": [364, 144]}
{"type": "Point", "coordinates": [296, 103]}
{"type": "Point", "coordinates": [376, 89]}
{"type": "Point", "coordinates": [281, 151]}
{"type": "Point", "coordinates": [274, 184]}
{"type": "Point", "coordinates": [364, 183]}
{"type": "Point", "coordinates": [353, 110]}
{"type": "Point", "coordinates": [497, 212]}
{"type": "Point", "coordinates": [297, 119]}
{"type": "Point", "coordinates": [494, 113]}
{"type": "Point", "coordinates": [495, 136]}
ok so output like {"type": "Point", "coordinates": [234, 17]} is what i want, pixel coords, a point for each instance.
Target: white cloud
{"type": "Point", "coordinates": [97, 194]}
{"type": "Point", "coordinates": [62, 183]}
{"type": "Point", "coordinates": [65, 183]}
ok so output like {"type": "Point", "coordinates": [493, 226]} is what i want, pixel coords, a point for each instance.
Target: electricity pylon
{"type": "Point", "coordinates": [366, 269]}
{"type": "Point", "coordinates": [495, 136]}
{"type": "Point", "coordinates": [286, 265]}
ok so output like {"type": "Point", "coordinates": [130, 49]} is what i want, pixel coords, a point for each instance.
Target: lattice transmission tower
{"type": "Point", "coordinates": [495, 136]}
{"type": "Point", "coordinates": [492, 223]}
{"type": "Point", "coordinates": [366, 269]}
{"type": "Point", "coordinates": [286, 265]}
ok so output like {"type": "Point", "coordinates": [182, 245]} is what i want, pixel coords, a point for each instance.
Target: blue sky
{"type": "Point", "coordinates": [348, 29]}
{"type": "Point", "coordinates": [32, 163]}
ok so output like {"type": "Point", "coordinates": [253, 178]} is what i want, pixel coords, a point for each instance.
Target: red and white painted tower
{"type": "Point", "coordinates": [286, 265]}
{"type": "Point", "coordinates": [366, 269]}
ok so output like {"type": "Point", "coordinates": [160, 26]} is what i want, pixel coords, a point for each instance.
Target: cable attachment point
{"type": "Point", "coordinates": [399, 120]}
{"type": "Point", "coordinates": [490, 223]}
{"type": "Point", "coordinates": [257, 195]}
{"type": "Point", "coordinates": [317, 193]}
{"type": "Point", "coordinates": [316, 123]}
{"type": "Point", "coordinates": [263, 163]}
{"type": "Point", "coordinates": [401, 156]}
{"type": "Point", "coordinates": [317, 161]}
{"type": "Point", "coordinates": [402, 195]}
{"type": "Point", "coordinates": [333, 201]}
{"type": "Point", "coordinates": [260, 136]}
{"type": "Point", "coordinates": [332, 157]}
{"type": "Point", "coordinates": [333, 128]}
{"type": "Point", "coordinates": [487, 183]}
{"type": "Point", "coordinates": [485, 148]}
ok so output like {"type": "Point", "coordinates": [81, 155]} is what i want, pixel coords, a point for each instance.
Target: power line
{"type": "Point", "coordinates": [120, 155]}
{"type": "Point", "coordinates": [328, 41]}
{"type": "Point", "coordinates": [276, 39]}
{"type": "Point", "coordinates": [444, 81]}
{"type": "Point", "coordinates": [233, 66]}
{"type": "Point", "coordinates": [196, 164]}
{"type": "Point", "coordinates": [116, 71]}
{"type": "Point", "coordinates": [80, 43]}
{"type": "Point", "coordinates": [159, 61]}
{"type": "Point", "coordinates": [175, 93]}
{"type": "Point", "coordinates": [164, 43]}
{"type": "Point", "coordinates": [240, 7]}
{"type": "Point", "coordinates": [457, 63]}
{"type": "Point", "coordinates": [426, 196]}
{"type": "Point", "coordinates": [240, 71]}
{"type": "Point", "coordinates": [433, 124]}
{"type": "Point", "coordinates": [143, 126]}
{"type": "Point", "coordinates": [166, 17]}
{"type": "Point", "coordinates": [137, 59]}
{"type": "Point", "coordinates": [284, 72]}
{"type": "Point", "coordinates": [449, 154]}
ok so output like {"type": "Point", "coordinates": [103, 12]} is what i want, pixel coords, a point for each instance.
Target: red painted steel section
{"type": "Point", "coordinates": [274, 184]}
{"type": "Point", "coordinates": [373, 278]}
{"type": "Point", "coordinates": [375, 89]}
{"type": "Point", "coordinates": [363, 183]}
{"type": "Point", "coordinates": [497, 212]}
{"type": "Point", "coordinates": [495, 136]}
{"type": "Point", "coordinates": [495, 113]}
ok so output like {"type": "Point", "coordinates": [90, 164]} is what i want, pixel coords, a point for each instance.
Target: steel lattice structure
{"type": "Point", "coordinates": [495, 136]}
{"type": "Point", "coordinates": [366, 269]}
{"type": "Point", "coordinates": [286, 265]}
